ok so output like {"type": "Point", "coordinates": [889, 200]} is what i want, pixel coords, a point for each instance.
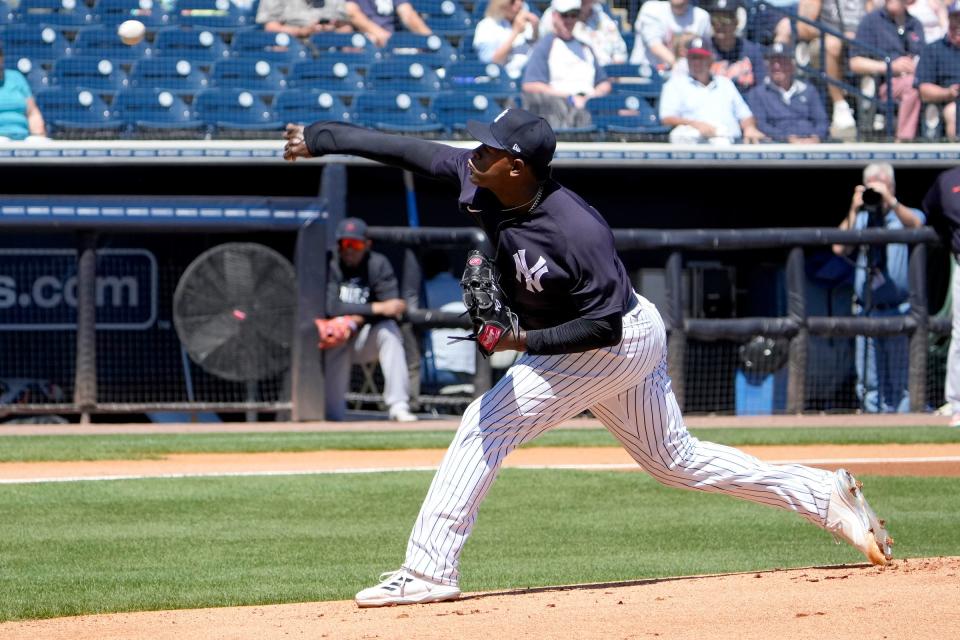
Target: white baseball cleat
{"type": "Point", "coordinates": [403, 587]}
{"type": "Point", "coordinates": [850, 518]}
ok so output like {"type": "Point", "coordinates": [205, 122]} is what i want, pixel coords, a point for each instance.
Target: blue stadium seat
{"type": "Point", "coordinates": [332, 72]}
{"type": "Point", "coordinates": [453, 109]}
{"type": "Point", "coordinates": [179, 76]}
{"type": "Point", "coordinates": [236, 109]}
{"type": "Point", "coordinates": [276, 48]}
{"type": "Point", "coordinates": [305, 107]}
{"type": "Point", "coordinates": [474, 75]}
{"type": "Point", "coordinates": [446, 18]}
{"type": "Point", "coordinates": [432, 49]}
{"type": "Point", "coordinates": [394, 112]}
{"type": "Point", "coordinates": [354, 44]}
{"type": "Point", "coordinates": [253, 75]}
{"type": "Point", "coordinates": [106, 43]}
{"type": "Point", "coordinates": [625, 113]}
{"type": "Point", "coordinates": [149, 12]}
{"type": "Point", "coordinates": [221, 16]}
{"type": "Point", "coordinates": [89, 72]}
{"type": "Point", "coordinates": [145, 110]}
{"type": "Point", "coordinates": [60, 13]}
{"type": "Point", "coordinates": [631, 78]}
{"type": "Point", "coordinates": [408, 74]}
{"type": "Point", "coordinates": [69, 112]}
{"type": "Point", "coordinates": [200, 46]}
{"type": "Point", "coordinates": [36, 75]}
{"type": "Point", "coordinates": [465, 50]}
{"type": "Point", "coordinates": [41, 44]}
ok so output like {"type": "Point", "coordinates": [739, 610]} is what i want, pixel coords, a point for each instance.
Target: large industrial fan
{"type": "Point", "coordinates": [234, 310]}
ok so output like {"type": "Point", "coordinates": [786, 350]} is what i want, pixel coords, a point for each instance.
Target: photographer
{"type": "Point", "coordinates": [880, 289]}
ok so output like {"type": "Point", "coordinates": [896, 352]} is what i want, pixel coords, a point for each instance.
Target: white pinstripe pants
{"type": "Point", "coordinates": [628, 389]}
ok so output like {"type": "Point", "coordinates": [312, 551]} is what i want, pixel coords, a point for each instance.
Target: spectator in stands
{"type": "Point", "coordinates": [899, 36]}
{"type": "Point", "coordinates": [880, 289]}
{"type": "Point", "coordinates": [843, 16]}
{"type": "Point", "coordinates": [363, 297]}
{"type": "Point", "coordinates": [734, 57]}
{"type": "Point", "coordinates": [453, 363]}
{"type": "Point", "coordinates": [787, 109]}
{"type": "Point", "coordinates": [563, 73]}
{"type": "Point", "coordinates": [19, 115]}
{"type": "Point", "coordinates": [303, 18]}
{"type": "Point", "coordinates": [377, 19]}
{"type": "Point", "coordinates": [702, 107]}
{"type": "Point", "coordinates": [942, 206]}
{"type": "Point", "coordinates": [506, 35]}
{"type": "Point", "coordinates": [597, 29]}
{"type": "Point", "coordinates": [938, 72]}
{"type": "Point", "coordinates": [932, 14]}
{"type": "Point", "coordinates": [658, 26]}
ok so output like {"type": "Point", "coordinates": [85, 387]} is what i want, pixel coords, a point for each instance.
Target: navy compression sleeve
{"type": "Point", "coordinates": [580, 334]}
{"type": "Point", "coordinates": [405, 152]}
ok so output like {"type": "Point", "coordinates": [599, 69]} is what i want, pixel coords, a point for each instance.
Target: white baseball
{"type": "Point", "coordinates": [131, 32]}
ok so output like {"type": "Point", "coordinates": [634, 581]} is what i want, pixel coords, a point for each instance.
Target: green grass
{"type": "Point", "coordinates": [106, 447]}
{"type": "Point", "coordinates": [71, 548]}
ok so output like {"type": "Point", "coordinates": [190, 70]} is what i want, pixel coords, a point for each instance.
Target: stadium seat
{"type": "Point", "coordinates": [106, 43]}
{"type": "Point", "coordinates": [39, 43]}
{"type": "Point", "coordinates": [631, 78]}
{"type": "Point", "coordinates": [276, 48]}
{"type": "Point", "coordinates": [179, 76]}
{"type": "Point", "coordinates": [478, 76]}
{"type": "Point", "coordinates": [149, 12]}
{"type": "Point", "coordinates": [89, 72]}
{"type": "Point", "coordinates": [249, 74]}
{"type": "Point", "coordinates": [394, 112]}
{"type": "Point", "coordinates": [354, 44]}
{"type": "Point", "coordinates": [305, 107]}
{"type": "Point", "coordinates": [221, 16]}
{"type": "Point", "coordinates": [199, 46]}
{"type": "Point", "coordinates": [431, 50]}
{"type": "Point", "coordinates": [410, 75]}
{"type": "Point", "coordinates": [70, 112]}
{"type": "Point", "coordinates": [36, 76]}
{"type": "Point", "coordinates": [333, 73]}
{"type": "Point", "coordinates": [59, 13]}
{"type": "Point", "coordinates": [625, 113]}
{"type": "Point", "coordinates": [148, 110]}
{"type": "Point", "coordinates": [446, 18]}
{"type": "Point", "coordinates": [453, 109]}
{"type": "Point", "coordinates": [237, 110]}
{"type": "Point", "coordinates": [465, 50]}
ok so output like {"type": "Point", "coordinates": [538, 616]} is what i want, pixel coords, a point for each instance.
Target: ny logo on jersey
{"type": "Point", "coordinates": [531, 275]}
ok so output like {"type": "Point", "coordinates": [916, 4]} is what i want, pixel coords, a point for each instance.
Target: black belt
{"type": "Point", "coordinates": [883, 306]}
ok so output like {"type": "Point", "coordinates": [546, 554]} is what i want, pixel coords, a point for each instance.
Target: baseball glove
{"type": "Point", "coordinates": [491, 317]}
{"type": "Point", "coordinates": [334, 332]}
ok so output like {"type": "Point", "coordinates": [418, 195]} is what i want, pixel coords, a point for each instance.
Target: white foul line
{"type": "Point", "coordinates": [573, 467]}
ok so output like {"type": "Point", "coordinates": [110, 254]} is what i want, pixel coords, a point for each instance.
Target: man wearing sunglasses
{"type": "Point", "coordinates": [588, 342]}
{"type": "Point", "coordinates": [364, 304]}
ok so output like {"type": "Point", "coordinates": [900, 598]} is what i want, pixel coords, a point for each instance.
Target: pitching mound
{"type": "Point", "coordinates": [915, 598]}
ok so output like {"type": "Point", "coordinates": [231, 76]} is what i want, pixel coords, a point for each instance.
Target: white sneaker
{"type": "Point", "coordinates": [850, 518]}
{"type": "Point", "coordinates": [401, 413]}
{"type": "Point", "coordinates": [403, 587]}
{"type": "Point", "coordinates": [843, 116]}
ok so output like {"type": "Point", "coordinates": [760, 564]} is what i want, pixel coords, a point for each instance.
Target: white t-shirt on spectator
{"type": "Point", "coordinates": [600, 31]}
{"type": "Point", "coordinates": [656, 22]}
{"type": "Point", "coordinates": [488, 36]}
{"type": "Point", "coordinates": [718, 103]}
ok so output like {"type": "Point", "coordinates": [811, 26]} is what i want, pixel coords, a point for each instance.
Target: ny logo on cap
{"type": "Point", "coordinates": [516, 148]}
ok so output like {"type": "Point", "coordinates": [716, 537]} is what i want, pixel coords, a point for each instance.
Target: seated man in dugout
{"type": "Point", "coordinates": [363, 306]}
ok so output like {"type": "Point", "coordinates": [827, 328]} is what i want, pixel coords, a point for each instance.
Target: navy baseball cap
{"type": "Point", "coordinates": [354, 228]}
{"type": "Point", "coordinates": [781, 50]}
{"type": "Point", "coordinates": [519, 133]}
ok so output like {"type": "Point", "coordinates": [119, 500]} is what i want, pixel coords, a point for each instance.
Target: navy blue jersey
{"type": "Point", "coordinates": [557, 262]}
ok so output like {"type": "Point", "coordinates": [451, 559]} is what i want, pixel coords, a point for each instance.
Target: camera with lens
{"type": "Point", "coordinates": [873, 205]}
